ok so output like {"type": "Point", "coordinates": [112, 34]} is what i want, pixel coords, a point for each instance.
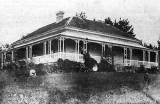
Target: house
{"type": "Point", "coordinates": [71, 37]}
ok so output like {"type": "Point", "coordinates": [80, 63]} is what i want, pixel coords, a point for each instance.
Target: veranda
{"type": "Point", "coordinates": [48, 51]}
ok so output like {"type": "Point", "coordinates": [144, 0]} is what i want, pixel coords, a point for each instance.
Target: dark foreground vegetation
{"type": "Point", "coordinates": [79, 88]}
{"type": "Point", "coordinates": [69, 82]}
{"type": "Point", "coordinates": [21, 69]}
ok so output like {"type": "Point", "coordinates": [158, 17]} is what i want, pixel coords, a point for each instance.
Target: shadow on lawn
{"type": "Point", "coordinates": [30, 82]}
{"type": "Point", "coordinates": [83, 86]}
{"type": "Point", "coordinates": [62, 96]}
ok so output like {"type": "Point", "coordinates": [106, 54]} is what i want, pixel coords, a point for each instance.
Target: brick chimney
{"type": "Point", "coordinates": [59, 16]}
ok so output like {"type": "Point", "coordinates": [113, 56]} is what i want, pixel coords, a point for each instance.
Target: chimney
{"type": "Point", "coordinates": [59, 16]}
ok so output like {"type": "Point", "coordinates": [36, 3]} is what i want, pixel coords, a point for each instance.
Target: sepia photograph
{"type": "Point", "coordinates": [79, 52]}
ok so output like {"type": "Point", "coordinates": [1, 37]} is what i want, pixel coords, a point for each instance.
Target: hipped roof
{"type": "Point", "coordinates": [82, 24]}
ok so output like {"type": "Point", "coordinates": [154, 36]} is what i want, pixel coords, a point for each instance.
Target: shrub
{"type": "Point", "coordinates": [17, 70]}
{"type": "Point", "coordinates": [40, 69]}
{"type": "Point", "coordinates": [89, 62]}
{"type": "Point", "coordinates": [53, 68]}
{"type": "Point", "coordinates": [30, 65]}
{"type": "Point", "coordinates": [69, 66]}
{"type": "Point", "coordinates": [12, 66]}
{"type": "Point", "coordinates": [130, 69]}
{"type": "Point", "coordinates": [79, 67]}
{"type": "Point", "coordinates": [64, 66]}
{"type": "Point", "coordinates": [105, 66]}
{"type": "Point", "coordinates": [141, 69]}
{"type": "Point", "coordinates": [153, 70]}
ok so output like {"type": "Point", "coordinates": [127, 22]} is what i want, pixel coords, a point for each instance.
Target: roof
{"type": "Point", "coordinates": [97, 26]}
{"type": "Point", "coordinates": [47, 28]}
{"type": "Point", "coordinates": [83, 24]}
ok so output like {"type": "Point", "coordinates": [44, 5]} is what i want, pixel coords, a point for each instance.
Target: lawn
{"type": "Point", "coordinates": [79, 88]}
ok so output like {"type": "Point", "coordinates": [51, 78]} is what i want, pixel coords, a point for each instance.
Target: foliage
{"type": "Point", "coordinates": [51, 68]}
{"type": "Point", "coordinates": [40, 70]}
{"type": "Point", "coordinates": [17, 70]}
{"type": "Point", "coordinates": [81, 15]}
{"type": "Point", "coordinates": [83, 22]}
{"type": "Point", "coordinates": [153, 70]}
{"type": "Point", "coordinates": [104, 66]}
{"type": "Point", "coordinates": [108, 21]}
{"type": "Point", "coordinates": [90, 87]}
{"type": "Point", "coordinates": [30, 64]}
{"type": "Point", "coordinates": [7, 45]}
{"type": "Point", "coordinates": [89, 62]}
{"type": "Point", "coordinates": [60, 67]}
{"type": "Point", "coordinates": [141, 69]}
{"type": "Point", "coordinates": [123, 24]}
{"type": "Point", "coordinates": [71, 66]}
{"type": "Point", "coordinates": [150, 46]}
{"type": "Point", "coordinates": [21, 68]}
{"type": "Point", "coordinates": [65, 66]}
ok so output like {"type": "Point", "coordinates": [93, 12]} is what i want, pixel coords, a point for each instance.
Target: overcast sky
{"type": "Point", "coordinates": [20, 17]}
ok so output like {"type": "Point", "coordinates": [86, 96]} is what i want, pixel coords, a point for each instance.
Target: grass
{"type": "Point", "coordinates": [79, 88]}
{"type": "Point", "coordinates": [98, 88]}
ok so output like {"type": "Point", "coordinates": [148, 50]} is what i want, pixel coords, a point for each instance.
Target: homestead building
{"type": "Point", "coordinates": [69, 38]}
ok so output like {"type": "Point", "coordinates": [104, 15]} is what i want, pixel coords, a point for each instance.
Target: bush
{"type": "Point", "coordinates": [89, 62]}
{"type": "Point", "coordinates": [64, 66]}
{"type": "Point", "coordinates": [12, 66]}
{"type": "Point", "coordinates": [105, 66]}
{"type": "Point", "coordinates": [60, 67]}
{"type": "Point", "coordinates": [153, 70]}
{"type": "Point", "coordinates": [50, 68]}
{"type": "Point", "coordinates": [129, 69]}
{"type": "Point", "coordinates": [69, 66]}
{"type": "Point", "coordinates": [17, 69]}
{"type": "Point", "coordinates": [30, 65]}
{"type": "Point", "coordinates": [40, 69]}
{"type": "Point", "coordinates": [141, 69]}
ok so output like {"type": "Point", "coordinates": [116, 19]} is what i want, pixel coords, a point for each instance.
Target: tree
{"type": "Point", "coordinates": [81, 15]}
{"type": "Point", "coordinates": [123, 25]}
{"type": "Point", "coordinates": [7, 45]}
{"type": "Point", "coordinates": [150, 46]}
{"type": "Point", "coordinates": [108, 21]}
{"type": "Point", "coordinates": [145, 45]}
{"type": "Point", "coordinates": [83, 23]}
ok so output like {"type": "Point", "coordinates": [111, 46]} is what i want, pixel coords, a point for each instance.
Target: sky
{"type": "Point", "coordinates": [20, 17]}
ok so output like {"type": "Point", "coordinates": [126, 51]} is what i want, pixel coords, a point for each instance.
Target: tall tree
{"type": "Point", "coordinates": [123, 24]}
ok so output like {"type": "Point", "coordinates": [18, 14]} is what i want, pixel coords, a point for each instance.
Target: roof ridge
{"type": "Point", "coordinates": [69, 20]}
